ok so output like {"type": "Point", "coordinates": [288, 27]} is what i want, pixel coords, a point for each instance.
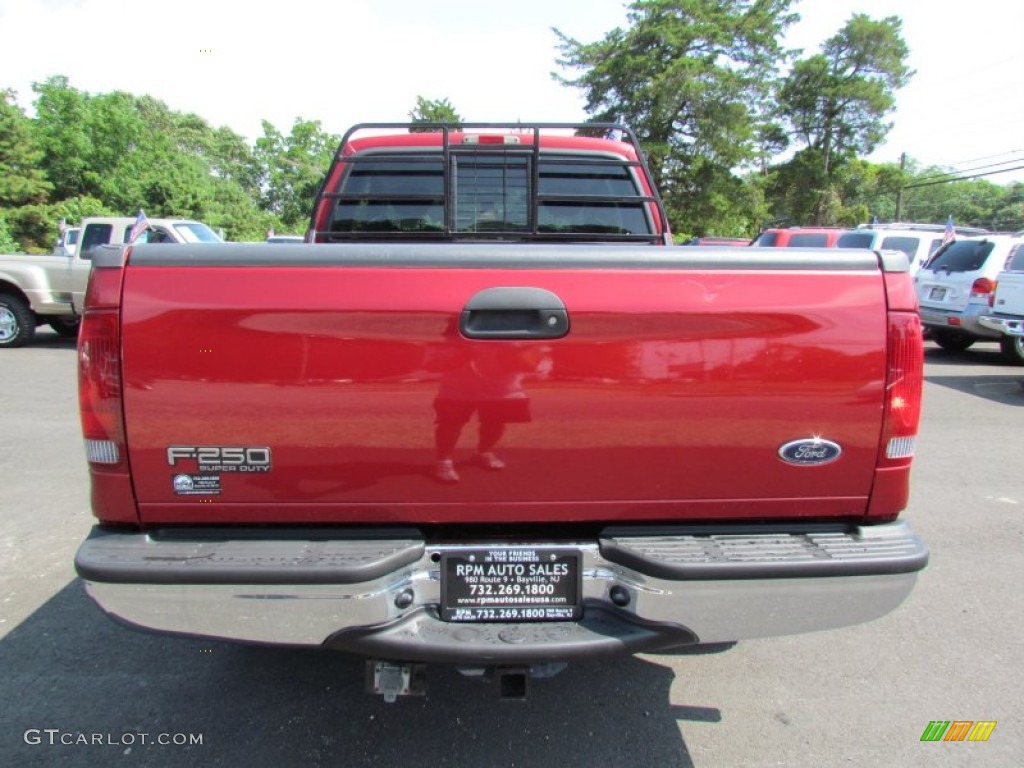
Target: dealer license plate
{"type": "Point", "coordinates": [511, 584]}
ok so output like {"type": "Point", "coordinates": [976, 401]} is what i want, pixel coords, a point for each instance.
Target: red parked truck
{"type": "Point", "coordinates": [488, 416]}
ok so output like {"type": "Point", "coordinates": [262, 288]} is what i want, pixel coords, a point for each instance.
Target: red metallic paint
{"type": "Point", "coordinates": [900, 295]}
{"type": "Point", "coordinates": [668, 399]}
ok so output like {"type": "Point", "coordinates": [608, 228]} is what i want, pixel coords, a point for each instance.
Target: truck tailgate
{"type": "Point", "coordinates": [1009, 298]}
{"type": "Point", "coordinates": [312, 384]}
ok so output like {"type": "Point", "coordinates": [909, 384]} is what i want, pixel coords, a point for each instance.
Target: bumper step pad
{"type": "Point", "coordinates": [699, 553]}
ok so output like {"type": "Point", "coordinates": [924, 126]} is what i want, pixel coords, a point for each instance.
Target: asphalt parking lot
{"type": "Point", "coordinates": [857, 696]}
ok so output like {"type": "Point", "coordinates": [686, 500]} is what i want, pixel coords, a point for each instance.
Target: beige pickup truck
{"type": "Point", "coordinates": [49, 289]}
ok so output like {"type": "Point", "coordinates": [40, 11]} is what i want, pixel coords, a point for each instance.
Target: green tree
{"type": "Point", "coordinates": [231, 159]}
{"type": "Point", "coordinates": [7, 242]}
{"type": "Point", "coordinates": [238, 214]}
{"type": "Point", "coordinates": [434, 111]}
{"type": "Point", "coordinates": [692, 78]}
{"type": "Point", "coordinates": [1008, 213]}
{"type": "Point", "coordinates": [61, 134]}
{"type": "Point", "coordinates": [292, 169]}
{"type": "Point", "coordinates": [855, 192]}
{"type": "Point", "coordinates": [22, 182]}
{"type": "Point", "coordinates": [932, 194]}
{"type": "Point", "coordinates": [836, 102]}
{"type": "Point", "coordinates": [116, 152]}
{"type": "Point", "coordinates": [224, 153]}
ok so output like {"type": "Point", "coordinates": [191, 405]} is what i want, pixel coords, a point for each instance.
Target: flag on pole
{"type": "Point", "coordinates": [950, 234]}
{"type": "Point", "coordinates": [141, 225]}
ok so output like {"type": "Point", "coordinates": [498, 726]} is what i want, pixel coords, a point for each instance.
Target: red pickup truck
{"type": "Point", "coordinates": [489, 416]}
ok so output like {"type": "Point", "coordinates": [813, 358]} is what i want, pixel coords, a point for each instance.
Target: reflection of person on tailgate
{"type": "Point", "coordinates": [486, 380]}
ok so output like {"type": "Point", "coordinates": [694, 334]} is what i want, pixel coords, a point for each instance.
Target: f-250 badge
{"type": "Point", "coordinates": [216, 458]}
{"type": "Point", "coordinates": [810, 452]}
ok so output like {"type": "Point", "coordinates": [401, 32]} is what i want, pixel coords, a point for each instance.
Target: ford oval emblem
{"type": "Point", "coordinates": [810, 452]}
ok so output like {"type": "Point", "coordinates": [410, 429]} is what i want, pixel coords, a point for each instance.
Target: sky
{"type": "Point", "coordinates": [349, 61]}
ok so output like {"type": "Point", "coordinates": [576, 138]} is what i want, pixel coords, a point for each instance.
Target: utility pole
{"type": "Point", "coordinates": [899, 192]}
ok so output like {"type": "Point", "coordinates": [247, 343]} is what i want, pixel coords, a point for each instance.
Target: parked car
{"type": "Point", "coordinates": [954, 288]}
{"type": "Point", "coordinates": [918, 241]}
{"type": "Point", "coordinates": [1006, 312]}
{"type": "Point", "coordinates": [50, 288]}
{"type": "Point", "coordinates": [799, 237]}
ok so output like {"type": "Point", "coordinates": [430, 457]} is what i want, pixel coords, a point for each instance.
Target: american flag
{"type": "Point", "coordinates": [141, 225]}
{"type": "Point", "coordinates": [950, 234]}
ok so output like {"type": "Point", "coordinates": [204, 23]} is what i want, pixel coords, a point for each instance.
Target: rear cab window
{"type": "Point", "coordinates": [491, 194]}
{"type": "Point", "coordinates": [94, 235]}
{"type": "Point", "coordinates": [392, 193]}
{"type": "Point", "coordinates": [1015, 261]}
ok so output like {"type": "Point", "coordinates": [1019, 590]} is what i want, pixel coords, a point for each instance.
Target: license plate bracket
{"type": "Point", "coordinates": [511, 584]}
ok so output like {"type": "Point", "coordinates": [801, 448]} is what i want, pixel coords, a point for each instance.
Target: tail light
{"type": "Point", "coordinates": [992, 294]}
{"type": "Point", "coordinates": [904, 378]}
{"type": "Point", "coordinates": [100, 392]}
{"type": "Point", "coordinates": [99, 387]}
{"type": "Point", "coordinates": [982, 287]}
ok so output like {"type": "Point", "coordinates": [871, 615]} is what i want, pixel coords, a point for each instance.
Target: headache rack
{"type": "Point", "coordinates": [489, 181]}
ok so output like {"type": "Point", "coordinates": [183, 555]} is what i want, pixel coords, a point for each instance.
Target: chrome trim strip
{"type": "Point", "coordinates": [471, 255]}
{"type": "Point", "coordinates": [1005, 325]}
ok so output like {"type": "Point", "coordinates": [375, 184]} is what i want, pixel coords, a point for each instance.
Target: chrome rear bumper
{"type": "Point", "coordinates": [1010, 326]}
{"type": "Point", "coordinates": [968, 320]}
{"type": "Point", "coordinates": [379, 594]}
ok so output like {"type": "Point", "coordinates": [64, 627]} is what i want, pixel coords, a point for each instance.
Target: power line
{"type": "Point", "coordinates": [963, 178]}
{"type": "Point", "coordinates": [967, 170]}
{"type": "Point", "coordinates": [1005, 153]}
{"type": "Point", "coordinates": [963, 195]}
{"type": "Point", "coordinates": [976, 71]}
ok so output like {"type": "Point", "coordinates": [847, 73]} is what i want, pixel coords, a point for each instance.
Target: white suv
{"type": "Point", "coordinates": [918, 241]}
{"type": "Point", "coordinates": [954, 287]}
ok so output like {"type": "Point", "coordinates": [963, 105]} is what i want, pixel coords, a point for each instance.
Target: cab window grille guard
{"type": "Point", "coordinates": [489, 189]}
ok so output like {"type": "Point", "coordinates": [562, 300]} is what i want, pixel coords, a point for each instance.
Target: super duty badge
{"type": "Point", "coordinates": [216, 458]}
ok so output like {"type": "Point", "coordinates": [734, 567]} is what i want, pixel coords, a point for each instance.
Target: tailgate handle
{"type": "Point", "coordinates": [514, 312]}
